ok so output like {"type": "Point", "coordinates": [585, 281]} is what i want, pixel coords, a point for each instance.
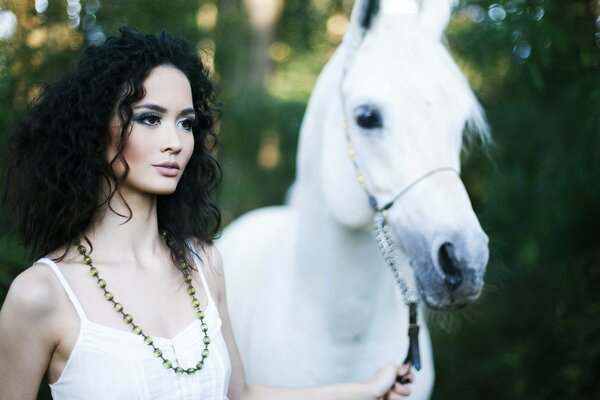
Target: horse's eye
{"type": "Point", "coordinates": [368, 116]}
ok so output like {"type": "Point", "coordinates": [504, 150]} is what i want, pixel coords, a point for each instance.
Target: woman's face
{"type": "Point", "coordinates": [161, 141]}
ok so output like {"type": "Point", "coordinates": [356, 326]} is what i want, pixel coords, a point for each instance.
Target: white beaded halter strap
{"type": "Point", "coordinates": [387, 244]}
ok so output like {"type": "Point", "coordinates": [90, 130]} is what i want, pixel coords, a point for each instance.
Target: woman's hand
{"type": "Point", "coordinates": [385, 383]}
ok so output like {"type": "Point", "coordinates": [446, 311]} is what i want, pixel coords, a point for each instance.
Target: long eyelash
{"type": "Point", "coordinates": [189, 121]}
{"type": "Point", "coordinates": [146, 115]}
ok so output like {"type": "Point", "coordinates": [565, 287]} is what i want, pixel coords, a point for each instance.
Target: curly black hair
{"type": "Point", "coordinates": [57, 165]}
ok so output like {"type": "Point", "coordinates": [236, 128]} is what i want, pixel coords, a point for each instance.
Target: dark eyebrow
{"type": "Point", "coordinates": [188, 111]}
{"type": "Point", "coordinates": [163, 110]}
{"type": "Point", "coordinates": [151, 107]}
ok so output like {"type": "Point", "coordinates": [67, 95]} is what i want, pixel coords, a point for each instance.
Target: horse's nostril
{"type": "Point", "coordinates": [450, 266]}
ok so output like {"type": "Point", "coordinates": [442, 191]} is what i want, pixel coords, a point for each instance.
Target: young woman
{"type": "Point", "coordinates": [109, 185]}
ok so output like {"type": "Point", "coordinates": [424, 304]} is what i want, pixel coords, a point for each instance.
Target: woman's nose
{"type": "Point", "coordinates": [171, 142]}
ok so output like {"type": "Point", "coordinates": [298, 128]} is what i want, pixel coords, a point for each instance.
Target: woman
{"type": "Point", "coordinates": [110, 182]}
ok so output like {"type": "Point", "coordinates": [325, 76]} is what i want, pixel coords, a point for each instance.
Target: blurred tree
{"type": "Point", "coordinates": [534, 64]}
{"type": "Point", "coordinates": [536, 332]}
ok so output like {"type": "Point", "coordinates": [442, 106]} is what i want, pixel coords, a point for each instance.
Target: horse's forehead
{"type": "Point", "coordinates": [395, 76]}
{"type": "Point", "coordinates": [393, 65]}
{"type": "Point", "coordinates": [401, 49]}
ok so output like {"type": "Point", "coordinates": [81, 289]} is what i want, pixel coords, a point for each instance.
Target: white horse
{"type": "Point", "coordinates": [311, 298]}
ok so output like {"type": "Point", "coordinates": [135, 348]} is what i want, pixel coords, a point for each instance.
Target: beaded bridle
{"type": "Point", "coordinates": [386, 243]}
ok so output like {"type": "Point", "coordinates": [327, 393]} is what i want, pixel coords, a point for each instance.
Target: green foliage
{"type": "Point", "coordinates": [535, 334]}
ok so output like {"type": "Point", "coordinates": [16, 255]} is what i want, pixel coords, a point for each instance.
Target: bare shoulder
{"type": "Point", "coordinates": [34, 293]}
{"type": "Point", "coordinates": [210, 258]}
{"type": "Point", "coordinates": [211, 264]}
{"type": "Point", "coordinates": [29, 330]}
{"type": "Point", "coordinates": [30, 312]}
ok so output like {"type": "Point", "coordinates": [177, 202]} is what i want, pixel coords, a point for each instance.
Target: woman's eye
{"type": "Point", "coordinates": [187, 124]}
{"type": "Point", "coordinates": [148, 119]}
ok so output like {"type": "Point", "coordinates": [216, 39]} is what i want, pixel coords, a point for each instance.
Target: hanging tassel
{"type": "Point", "coordinates": [413, 357]}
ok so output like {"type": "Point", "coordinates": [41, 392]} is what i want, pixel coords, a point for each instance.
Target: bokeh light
{"type": "Point", "coordinates": [94, 32]}
{"type": "Point", "coordinates": [337, 25]}
{"type": "Point", "coordinates": [8, 24]}
{"type": "Point", "coordinates": [41, 6]}
{"type": "Point", "coordinates": [522, 50]}
{"type": "Point", "coordinates": [538, 13]}
{"type": "Point", "coordinates": [207, 16]}
{"type": "Point", "coordinates": [476, 13]}
{"type": "Point", "coordinates": [279, 51]}
{"type": "Point", "coordinates": [496, 12]}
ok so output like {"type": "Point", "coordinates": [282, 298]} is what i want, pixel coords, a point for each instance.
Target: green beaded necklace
{"type": "Point", "coordinates": [138, 330]}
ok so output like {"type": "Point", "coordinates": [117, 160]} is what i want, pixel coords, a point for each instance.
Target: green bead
{"type": "Point", "coordinates": [168, 364]}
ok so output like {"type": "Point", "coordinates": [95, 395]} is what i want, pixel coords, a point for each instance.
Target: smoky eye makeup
{"type": "Point", "coordinates": [187, 122]}
{"type": "Point", "coordinates": [149, 118]}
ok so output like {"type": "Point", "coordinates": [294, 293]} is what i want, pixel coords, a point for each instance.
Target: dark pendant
{"type": "Point", "coordinates": [413, 356]}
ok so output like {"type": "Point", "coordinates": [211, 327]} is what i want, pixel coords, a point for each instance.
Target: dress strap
{"type": "Point", "coordinates": [199, 265]}
{"type": "Point", "coordinates": [65, 285]}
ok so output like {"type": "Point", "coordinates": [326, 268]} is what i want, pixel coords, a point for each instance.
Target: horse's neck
{"type": "Point", "coordinates": [323, 105]}
{"type": "Point", "coordinates": [321, 239]}
{"type": "Point", "coordinates": [340, 271]}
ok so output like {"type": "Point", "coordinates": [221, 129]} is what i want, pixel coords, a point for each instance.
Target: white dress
{"type": "Point", "coordinates": [112, 364]}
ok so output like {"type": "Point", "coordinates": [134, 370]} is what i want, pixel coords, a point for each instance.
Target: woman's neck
{"type": "Point", "coordinates": [127, 234]}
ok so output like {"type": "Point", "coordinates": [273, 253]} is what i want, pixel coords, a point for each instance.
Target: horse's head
{"type": "Point", "coordinates": [407, 105]}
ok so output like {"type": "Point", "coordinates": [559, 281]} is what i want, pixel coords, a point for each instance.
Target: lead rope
{"type": "Point", "coordinates": [389, 250]}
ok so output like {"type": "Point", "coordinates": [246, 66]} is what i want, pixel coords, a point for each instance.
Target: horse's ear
{"type": "Point", "coordinates": [434, 16]}
{"type": "Point", "coordinates": [363, 16]}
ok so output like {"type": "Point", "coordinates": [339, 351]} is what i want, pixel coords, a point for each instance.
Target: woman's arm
{"type": "Point", "coordinates": [27, 333]}
{"type": "Point", "coordinates": [377, 387]}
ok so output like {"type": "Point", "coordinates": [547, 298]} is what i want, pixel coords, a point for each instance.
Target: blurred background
{"type": "Point", "coordinates": [535, 66]}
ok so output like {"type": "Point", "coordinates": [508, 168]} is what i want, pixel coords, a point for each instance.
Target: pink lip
{"type": "Point", "coordinates": [168, 168]}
